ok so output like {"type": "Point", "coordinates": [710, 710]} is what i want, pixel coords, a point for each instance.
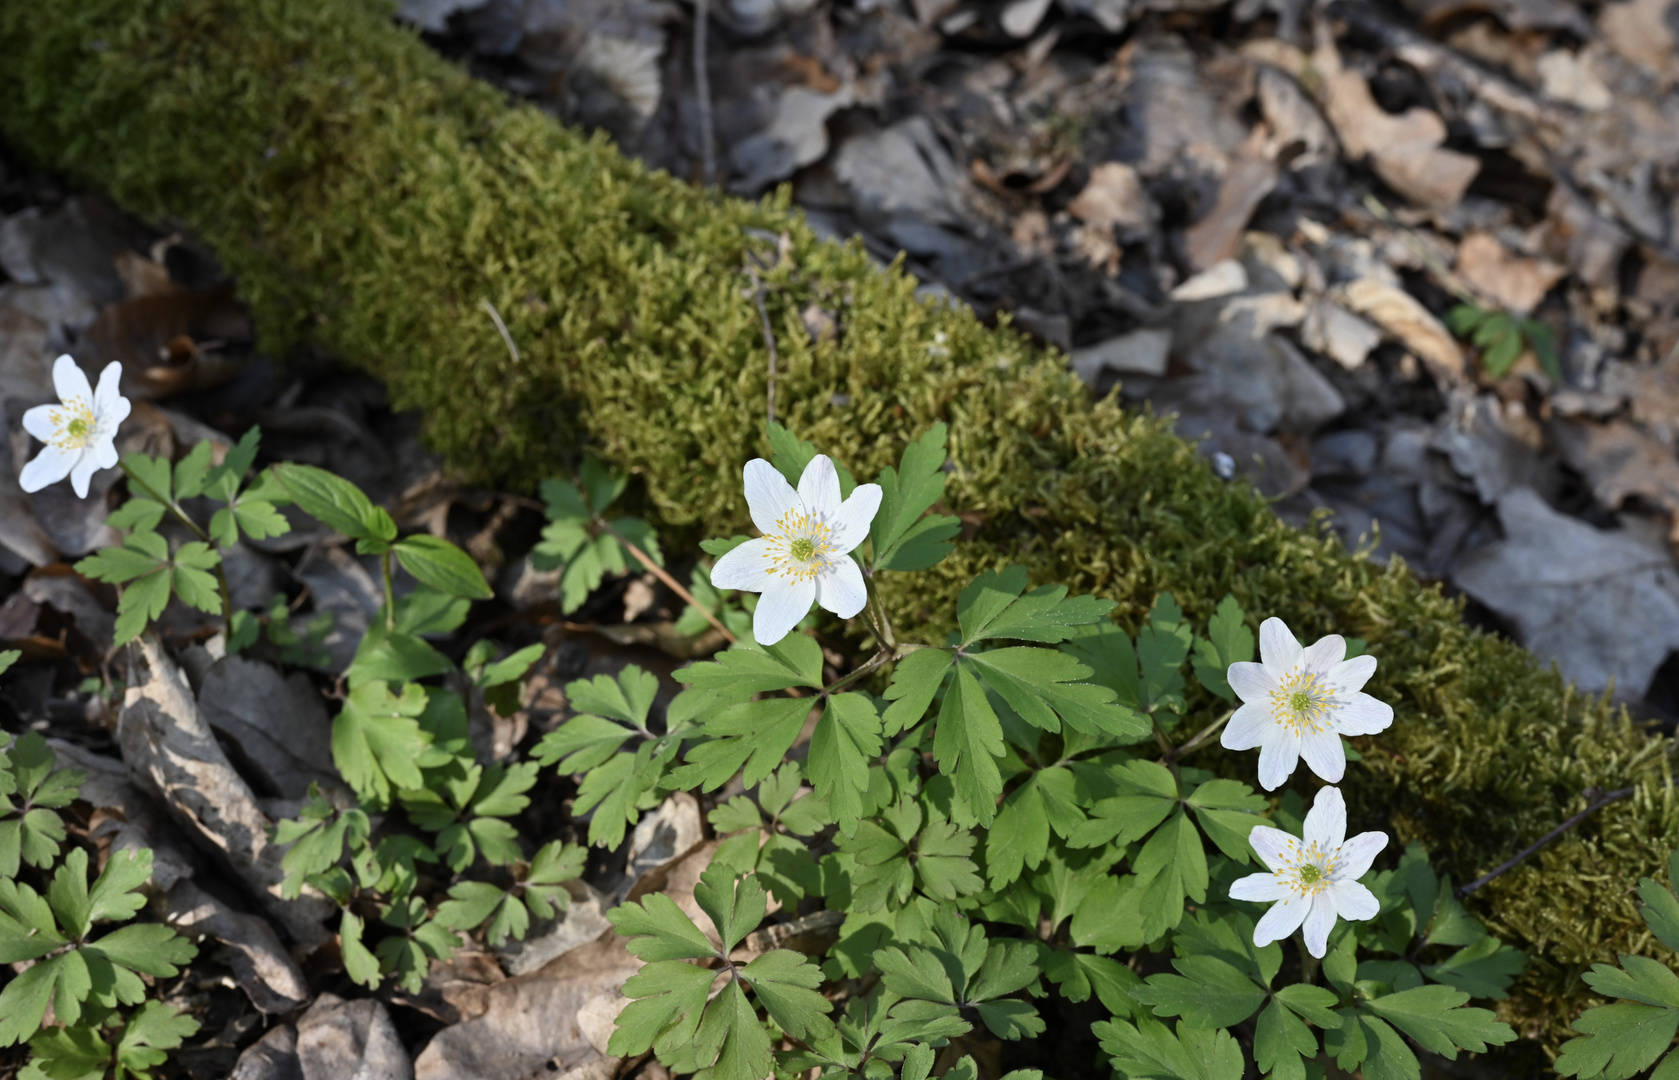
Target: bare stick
{"type": "Point", "coordinates": [769, 335]}
{"type": "Point", "coordinates": [501, 328]}
{"type": "Point", "coordinates": [1533, 849]}
{"type": "Point", "coordinates": [702, 91]}
{"type": "Point", "coordinates": [671, 583]}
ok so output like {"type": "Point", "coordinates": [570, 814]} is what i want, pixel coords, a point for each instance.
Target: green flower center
{"type": "Point", "coordinates": [1310, 874]}
{"type": "Point", "coordinates": [1300, 701]}
{"type": "Point", "coordinates": [802, 549]}
{"type": "Point", "coordinates": [78, 428]}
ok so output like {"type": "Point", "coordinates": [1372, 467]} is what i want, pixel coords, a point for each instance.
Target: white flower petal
{"type": "Point", "coordinates": [768, 495]}
{"type": "Point", "coordinates": [1357, 854]}
{"type": "Point", "coordinates": [104, 452]}
{"type": "Point", "coordinates": [1361, 714]}
{"type": "Point", "coordinates": [108, 393]}
{"type": "Point", "coordinates": [819, 487]}
{"type": "Point", "coordinates": [83, 472]}
{"type": "Point", "coordinates": [840, 588]}
{"type": "Point", "coordinates": [1283, 919]}
{"type": "Point", "coordinates": [70, 382]}
{"type": "Point", "coordinates": [1326, 821]}
{"type": "Point", "coordinates": [1248, 728]}
{"type": "Point", "coordinates": [1319, 922]}
{"type": "Point", "coordinates": [1278, 649]}
{"type": "Point", "coordinates": [1349, 676]}
{"type": "Point", "coordinates": [1252, 682]}
{"type": "Point", "coordinates": [1273, 846]}
{"type": "Point", "coordinates": [780, 609]}
{"type": "Point", "coordinates": [1324, 755]}
{"type": "Point", "coordinates": [1324, 654]}
{"type": "Point", "coordinates": [1353, 901]}
{"type": "Point", "coordinates": [38, 422]}
{"type": "Point", "coordinates": [1277, 758]}
{"type": "Point", "coordinates": [49, 467]}
{"type": "Point", "coordinates": [1261, 887]}
{"type": "Point", "coordinates": [850, 523]}
{"type": "Point", "coordinates": [746, 567]}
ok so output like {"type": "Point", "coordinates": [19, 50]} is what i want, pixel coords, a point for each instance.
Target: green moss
{"type": "Point", "coordinates": [370, 197]}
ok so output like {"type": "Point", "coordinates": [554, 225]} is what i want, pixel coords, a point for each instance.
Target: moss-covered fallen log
{"type": "Point", "coordinates": [370, 197]}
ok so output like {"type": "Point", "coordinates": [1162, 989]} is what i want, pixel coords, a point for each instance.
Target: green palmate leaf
{"type": "Point", "coordinates": [1660, 909]}
{"type": "Point", "coordinates": [1171, 868]}
{"type": "Point", "coordinates": [34, 834]}
{"type": "Point", "coordinates": [223, 480]}
{"type": "Point", "coordinates": [1228, 641]}
{"type": "Point", "coordinates": [1482, 970]}
{"type": "Point", "coordinates": [1148, 1050]}
{"type": "Point", "coordinates": [1281, 1041]}
{"type": "Point", "coordinates": [846, 739]}
{"type": "Point", "coordinates": [393, 656]}
{"type": "Point", "coordinates": [360, 964]}
{"type": "Point", "coordinates": [139, 514]}
{"type": "Point", "coordinates": [335, 503]}
{"type": "Point", "coordinates": [619, 790]}
{"type": "Point", "coordinates": [1435, 1017]}
{"type": "Point", "coordinates": [8, 657]}
{"type": "Point", "coordinates": [194, 583]}
{"type": "Point", "coordinates": [915, 682]}
{"type": "Point", "coordinates": [377, 742]}
{"type": "Point", "coordinates": [192, 471]}
{"type": "Point", "coordinates": [1147, 792]}
{"type": "Point", "coordinates": [1049, 799]}
{"type": "Point", "coordinates": [68, 1053]}
{"type": "Point", "coordinates": [1206, 993]}
{"type": "Point", "coordinates": [600, 484]}
{"type": "Point", "coordinates": [1079, 976]}
{"type": "Point", "coordinates": [786, 983]}
{"type": "Point", "coordinates": [903, 539]}
{"type": "Point", "coordinates": [992, 607]}
{"type": "Point", "coordinates": [443, 566]}
{"type": "Point", "coordinates": [1618, 1041]}
{"type": "Point", "coordinates": [750, 738]}
{"type": "Point", "coordinates": [1045, 686]}
{"type": "Point", "coordinates": [968, 742]}
{"type": "Point", "coordinates": [609, 712]}
{"type": "Point", "coordinates": [153, 1030]}
{"type": "Point", "coordinates": [1227, 811]}
{"type": "Point", "coordinates": [152, 474]}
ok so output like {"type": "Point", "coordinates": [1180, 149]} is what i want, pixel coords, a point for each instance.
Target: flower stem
{"type": "Point", "coordinates": [180, 515]}
{"type": "Point", "coordinates": [390, 592]}
{"type": "Point", "coordinates": [1308, 963]}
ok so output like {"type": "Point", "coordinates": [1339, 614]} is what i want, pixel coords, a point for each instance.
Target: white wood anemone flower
{"type": "Point", "coordinates": [804, 554]}
{"type": "Point", "coordinates": [1297, 703]}
{"type": "Point", "coordinates": [80, 431]}
{"type": "Point", "coordinates": [1312, 881]}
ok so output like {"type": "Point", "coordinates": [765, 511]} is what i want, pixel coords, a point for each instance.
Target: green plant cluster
{"type": "Point", "coordinates": [1503, 338]}
{"type": "Point", "coordinates": [369, 197]}
{"type": "Point", "coordinates": [1007, 822]}
{"type": "Point", "coordinates": [82, 955]}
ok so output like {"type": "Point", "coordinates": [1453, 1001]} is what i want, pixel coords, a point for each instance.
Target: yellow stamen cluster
{"type": "Point", "coordinates": [1303, 702]}
{"type": "Point", "coordinates": [800, 546]}
{"type": "Point", "coordinates": [1308, 870]}
{"type": "Point", "coordinates": [74, 425]}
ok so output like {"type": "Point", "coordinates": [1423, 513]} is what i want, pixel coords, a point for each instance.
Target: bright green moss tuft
{"type": "Point", "coordinates": [369, 197]}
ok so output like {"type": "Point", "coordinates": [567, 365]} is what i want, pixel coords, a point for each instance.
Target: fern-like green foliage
{"type": "Point", "coordinates": [583, 544]}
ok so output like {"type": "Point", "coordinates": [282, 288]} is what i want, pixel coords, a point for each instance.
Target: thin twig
{"type": "Point", "coordinates": [1532, 849]}
{"type": "Point", "coordinates": [702, 91]}
{"type": "Point", "coordinates": [769, 334]}
{"type": "Point", "coordinates": [671, 583]}
{"type": "Point", "coordinates": [501, 327]}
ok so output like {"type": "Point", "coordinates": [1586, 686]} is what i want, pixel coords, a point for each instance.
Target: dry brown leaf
{"type": "Point", "coordinates": [1619, 462]}
{"type": "Point", "coordinates": [1405, 150]}
{"type": "Point", "coordinates": [159, 340]}
{"type": "Point", "coordinates": [1403, 316]}
{"type": "Point", "coordinates": [1218, 234]}
{"type": "Point", "coordinates": [1113, 199]}
{"type": "Point", "coordinates": [1515, 283]}
{"type": "Point", "coordinates": [1639, 30]}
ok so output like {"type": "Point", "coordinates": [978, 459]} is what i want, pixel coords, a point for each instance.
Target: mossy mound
{"type": "Point", "coordinates": [370, 196]}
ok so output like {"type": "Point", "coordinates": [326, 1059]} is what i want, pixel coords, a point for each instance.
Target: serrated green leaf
{"type": "Point", "coordinates": [68, 1053]}
{"type": "Point", "coordinates": [751, 738]}
{"type": "Point", "coordinates": [151, 473]}
{"type": "Point", "coordinates": [736, 904]}
{"type": "Point", "coordinates": [659, 930]}
{"type": "Point", "coordinates": [139, 514]}
{"type": "Point", "coordinates": [968, 742]}
{"type": "Point", "coordinates": [1148, 1050]}
{"type": "Point", "coordinates": [1482, 970]}
{"type": "Point", "coordinates": [903, 539]}
{"type": "Point", "coordinates": [1206, 993]}
{"type": "Point", "coordinates": [787, 985]}
{"type": "Point", "coordinates": [377, 742]}
{"type": "Point", "coordinates": [154, 1028]}
{"type": "Point", "coordinates": [193, 583]}
{"type": "Point", "coordinates": [359, 962]}
{"type": "Point", "coordinates": [148, 948]}
{"type": "Point", "coordinates": [141, 554]}
{"type": "Point", "coordinates": [1617, 1040]}
{"type": "Point", "coordinates": [846, 739]}
{"type": "Point", "coordinates": [1435, 1018]}
{"type": "Point", "coordinates": [442, 566]}
{"type": "Point", "coordinates": [116, 896]}
{"type": "Point", "coordinates": [1640, 978]}
{"type": "Point", "coordinates": [669, 997]}
{"type": "Point", "coordinates": [1280, 1041]}
{"type": "Point", "coordinates": [392, 656]}
{"type": "Point", "coordinates": [1171, 868]}
{"type": "Point", "coordinates": [915, 682]}
{"type": "Point", "coordinates": [1045, 687]}
{"type": "Point", "coordinates": [993, 607]}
